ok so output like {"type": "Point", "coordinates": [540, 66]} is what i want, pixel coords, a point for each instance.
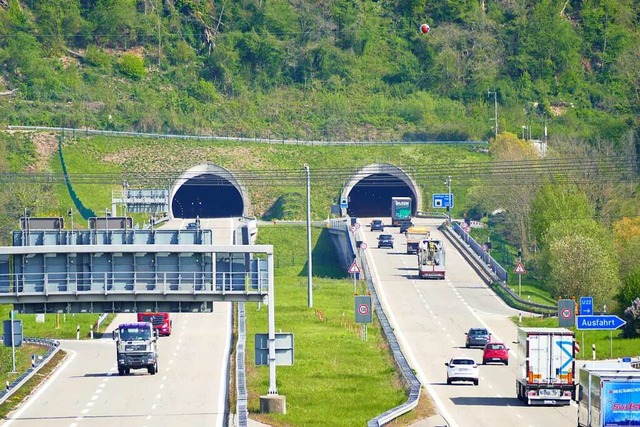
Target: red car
{"type": "Point", "coordinates": [495, 352]}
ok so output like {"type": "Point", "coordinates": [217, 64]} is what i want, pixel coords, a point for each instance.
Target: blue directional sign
{"type": "Point", "coordinates": [586, 305]}
{"type": "Point", "coordinates": [602, 323]}
{"type": "Point", "coordinates": [344, 203]}
{"type": "Point", "coordinates": [442, 200]}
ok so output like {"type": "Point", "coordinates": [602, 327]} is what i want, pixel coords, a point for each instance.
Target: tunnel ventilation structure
{"type": "Point", "coordinates": [370, 190]}
{"type": "Point", "coordinates": [208, 191]}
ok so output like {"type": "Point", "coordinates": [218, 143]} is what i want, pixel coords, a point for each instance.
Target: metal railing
{"type": "Point", "coordinates": [284, 141]}
{"type": "Point", "coordinates": [495, 270]}
{"type": "Point", "coordinates": [35, 366]}
{"type": "Point", "coordinates": [242, 395]}
{"type": "Point", "coordinates": [48, 284]}
{"type": "Point", "coordinates": [408, 374]}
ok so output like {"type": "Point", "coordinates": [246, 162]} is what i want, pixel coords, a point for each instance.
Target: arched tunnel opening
{"type": "Point", "coordinates": [207, 196]}
{"type": "Point", "coordinates": [371, 196]}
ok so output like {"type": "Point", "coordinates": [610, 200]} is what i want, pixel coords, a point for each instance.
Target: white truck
{"type": "Point", "coordinates": [608, 395]}
{"type": "Point", "coordinates": [136, 347]}
{"type": "Point", "coordinates": [414, 235]}
{"type": "Point", "coordinates": [546, 366]}
{"type": "Point", "coordinates": [431, 259]}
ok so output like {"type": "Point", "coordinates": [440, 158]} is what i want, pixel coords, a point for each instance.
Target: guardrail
{"type": "Point", "coordinates": [242, 396]}
{"type": "Point", "coordinates": [35, 367]}
{"type": "Point", "coordinates": [284, 141]}
{"type": "Point", "coordinates": [408, 375]}
{"type": "Point", "coordinates": [492, 272]}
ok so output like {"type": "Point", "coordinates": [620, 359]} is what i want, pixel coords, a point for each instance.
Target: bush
{"type": "Point", "coordinates": [632, 315]}
{"type": "Point", "coordinates": [133, 66]}
{"type": "Point", "coordinates": [204, 91]}
{"type": "Point", "coordinates": [98, 58]}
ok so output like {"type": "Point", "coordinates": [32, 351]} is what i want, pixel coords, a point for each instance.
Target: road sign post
{"type": "Point", "coordinates": [566, 313]}
{"type": "Point", "coordinates": [353, 270]}
{"type": "Point", "coordinates": [519, 270]}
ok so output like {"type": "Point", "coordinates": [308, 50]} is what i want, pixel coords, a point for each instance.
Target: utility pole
{"type": "Point", "coordinates": [448, 183]}
{"type": "Point", "coordinates": [495, 111]}
{"type": "Point", "coordinates": [309, 255]}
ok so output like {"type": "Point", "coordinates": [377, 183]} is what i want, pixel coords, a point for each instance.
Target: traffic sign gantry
{"type": "Point", "coordinates": [602, 323]}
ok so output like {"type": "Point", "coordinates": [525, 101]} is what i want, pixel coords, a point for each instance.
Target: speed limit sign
{"type": "Point", "coordinates": [363, 245]}
{"type": "Point", "coordinates": [363, 309]}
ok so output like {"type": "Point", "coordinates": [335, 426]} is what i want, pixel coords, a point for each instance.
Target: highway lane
{"type": "Point", "coordinates": [188, 390]}
{"type": "Point", "coordinates": [430, 318]}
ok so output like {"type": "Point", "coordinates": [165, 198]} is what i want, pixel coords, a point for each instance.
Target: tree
{"type": "Point", "coordinates": [582, 262]}
{"type": "Point", "coordinates": [557, 203]}
{"type": "Point", "coordinates": [509, 192]}
{"type": "Point", "coordinates": [632, 315]}
{"type": "Point", "coordinates": [627, 242]}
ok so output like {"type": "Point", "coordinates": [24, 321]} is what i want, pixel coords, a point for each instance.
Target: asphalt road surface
{"type": "Point", "coordinates": [431, 317]}
{"type": "Point", "coordinates": [188, 390]}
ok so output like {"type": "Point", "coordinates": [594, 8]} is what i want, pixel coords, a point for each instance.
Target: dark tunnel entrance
{"type": "Point", "coordinates": [207, 196]}
{"type": "Point", "coordinates": [371, 196]}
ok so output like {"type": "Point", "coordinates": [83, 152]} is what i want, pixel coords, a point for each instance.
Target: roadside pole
{"type": "Point", "coordinates": [13, 345]}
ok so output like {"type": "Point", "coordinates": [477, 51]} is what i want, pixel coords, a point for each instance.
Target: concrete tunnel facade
{"type": "Point", "coordinates": [208, 191]}
{"type": "Point", "coordinates": [369, 191]}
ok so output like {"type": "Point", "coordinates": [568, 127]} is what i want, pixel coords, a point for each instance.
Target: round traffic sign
{"type": "Point", "coordinates": [353, 228]}
{"type": "Point", "coordinates": [363, 245]}
{"type": "Point", "coordinates": [357, 225]}
{"type": "Point", "coordinates": [363, 309]}
{"type": "Point", "coordinates": [565, 313]}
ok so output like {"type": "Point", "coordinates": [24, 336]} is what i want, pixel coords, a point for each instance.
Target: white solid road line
{"type": "Point", "coordinates": [40, 390]}
{"type": "Point", "coordinates": [442, 410]}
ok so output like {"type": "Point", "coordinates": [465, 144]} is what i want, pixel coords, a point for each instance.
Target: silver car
{"type": "Point", "coordinates": [478, 337]}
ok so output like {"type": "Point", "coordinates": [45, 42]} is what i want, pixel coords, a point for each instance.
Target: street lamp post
{"type": "Point", "coordinates": [309, 255]}
{"type": "Point", "coordinates": [495, 111]}
{"type": "Point", "coordinates": [448, 183]}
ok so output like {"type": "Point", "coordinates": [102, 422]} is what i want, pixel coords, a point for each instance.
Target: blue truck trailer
{"type": "Point", "coordinates": [608, 395]}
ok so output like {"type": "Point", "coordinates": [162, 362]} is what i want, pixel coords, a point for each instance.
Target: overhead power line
{"type": "Point", "coordinates": [525, 172]}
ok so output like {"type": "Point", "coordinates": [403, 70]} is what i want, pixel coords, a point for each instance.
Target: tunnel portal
{"type": "Point", "coordinates": [371, 196]}
{"type": "Point", "coordinates": [208, 191]}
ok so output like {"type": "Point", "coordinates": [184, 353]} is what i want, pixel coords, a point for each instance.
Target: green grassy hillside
{"type": "Point", "coordinates": [271, 172]}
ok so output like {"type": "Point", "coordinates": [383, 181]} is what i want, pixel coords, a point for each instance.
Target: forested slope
{"type": "Point", "coordinates": [334, 69]}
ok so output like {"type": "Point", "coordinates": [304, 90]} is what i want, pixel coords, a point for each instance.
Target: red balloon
{"type": "Point", "coordinates": [424, 28]}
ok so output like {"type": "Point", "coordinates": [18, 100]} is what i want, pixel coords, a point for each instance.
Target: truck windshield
{"type": "Point", "coordinates": [135, 333]}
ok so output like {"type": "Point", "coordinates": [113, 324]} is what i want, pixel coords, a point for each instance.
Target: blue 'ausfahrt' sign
{"type": "Point", "coordinates": [607, 323]}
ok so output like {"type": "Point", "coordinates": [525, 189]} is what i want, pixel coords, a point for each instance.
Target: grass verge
{"type": "Point", "coordinates": [25, 391]}
{"type": "Point", "coordinates": [336, 375]}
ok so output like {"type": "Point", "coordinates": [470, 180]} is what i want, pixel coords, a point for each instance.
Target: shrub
{"type": "Point", "coordinates": [632, 315]}
{"type": "Point", "coordinates": [133, 66]}
{"type": "Point", "coordinates": [204, 91]}
{"type": "Point", "coordinates": [98, 58]}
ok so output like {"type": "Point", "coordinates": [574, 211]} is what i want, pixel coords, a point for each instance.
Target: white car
{"type": "Point", "coordinates": [462, 369]}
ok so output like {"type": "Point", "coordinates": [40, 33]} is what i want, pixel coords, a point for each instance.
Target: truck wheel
{"type": "Point", "coordinates": [152, 369]}
{"type": "Point", "coordinates": [448, 381]}
{"type": "Point", "coordinates": [475, 382]}
{"type": "Point", "coordinates": [120, 371]}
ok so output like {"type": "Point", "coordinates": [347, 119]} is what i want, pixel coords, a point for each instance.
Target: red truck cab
{"type": "Point", "coordinates": [161, 322]}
